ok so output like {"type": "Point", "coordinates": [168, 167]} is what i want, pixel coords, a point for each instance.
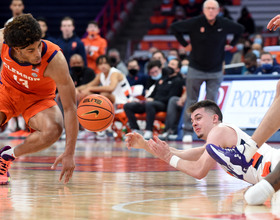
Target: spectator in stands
{"type": "Point", "coordinates": [172, 54]}
{"type": "Point", "coordinates": [17, 7]}
{"type": "Point", "coordinates": [69, 42]}
{"type": "Point", "coordinates": [247, 21]}
{"type": "Point", "coordinates": [224, 12]}
{"type": "Point", "coordinates": [155, 74]}
{"type": "Point", "coordinates": [257, 49]}
{"type": "Point", "coordinates": [238, 56]}
{"type": "Point", "coordinates": [95, 45]}
{"type": "Point", "coordinates": [179, 14]}
{"type": "Point", "coordinates": [207, 56]}
{"type": "Point", "coordinates": [44, 28]}
{"type": "Point", "coordinates": [184, 67]}
{"type": "Point", "coordinates": [115, 59]}
{"type": "Point", "coordinates": [159, 55]}
{"type": "Point", "coordinates": [192, 8]}
{"type": "Point", "coordinates": [174, 111]}
{"type": "Point", "coordinates": [267, 65]}
{"type": "Point", "coordinates": [164, 89]}
{"type": "Point", "coordinates": [80, 74]}
{"type": "Point", "coordinates": [135, 77]}
{"type": "Point", "coordinates": [250, 61]}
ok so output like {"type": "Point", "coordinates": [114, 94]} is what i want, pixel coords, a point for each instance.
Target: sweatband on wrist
{"type": "Point", "coordinates": [174, 161]}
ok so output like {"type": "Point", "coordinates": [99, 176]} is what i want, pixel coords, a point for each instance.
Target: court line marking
{"type": "Point", "coordinates": [120, 208]}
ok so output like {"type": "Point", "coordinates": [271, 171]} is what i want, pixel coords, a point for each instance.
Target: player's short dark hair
{"type": "Point", "coordinates": [209, 106]}
{"type": "Point", "coordinates": [101, 58]}
{"type": "Point", "coordinates": [153, 63]}
{"type": "Point", "coordinates": [23, 31]}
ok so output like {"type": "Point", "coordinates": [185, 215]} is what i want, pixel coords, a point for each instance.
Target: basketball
{"type": "Point", "coordinates": [95, 112]}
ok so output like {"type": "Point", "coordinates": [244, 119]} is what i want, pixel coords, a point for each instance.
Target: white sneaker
{"type": "Point", "coordinates": [101, 135]}
{"type": "Point", "coordinates": [187, 138]}
{"type": "Point", "coordinates": [172, 137]}
{"type": "Point", "coordinates": [164, 136]}
{"type": "Point", "coordinates": [148, 135]}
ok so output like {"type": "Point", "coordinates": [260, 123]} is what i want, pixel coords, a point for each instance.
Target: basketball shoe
{"type": "Point", "coordinates": [5, 163]}
{"type": "Point", "coordinates": [230, 158]}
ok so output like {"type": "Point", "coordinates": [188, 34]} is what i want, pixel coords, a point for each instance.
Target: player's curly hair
{"type": "Point", "coordinates": [23, 31]}
{"type": "Point", "coordinates": [209, 106]}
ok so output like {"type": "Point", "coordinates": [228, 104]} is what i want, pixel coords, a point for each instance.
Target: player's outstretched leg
{"type": "Point", "coordinates": [231, 158]}
{"type": "Point", "coordinates": [5, 163]}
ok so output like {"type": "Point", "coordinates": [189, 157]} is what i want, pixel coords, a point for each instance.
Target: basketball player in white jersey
{"type": "Point", "coordinates": [110, 83]}
{"type": "Point", "coordinates": [207, 123]}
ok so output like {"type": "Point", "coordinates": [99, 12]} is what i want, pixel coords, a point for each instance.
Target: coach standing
{"type": "Point", "coordinates": [208, 38]}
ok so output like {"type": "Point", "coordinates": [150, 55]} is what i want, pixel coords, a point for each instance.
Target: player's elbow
{"type": "Point", "coordinates": [200, 174]}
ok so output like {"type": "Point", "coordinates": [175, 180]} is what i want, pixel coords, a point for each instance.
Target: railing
{"type": "Point", "coordinates": [110, 14]}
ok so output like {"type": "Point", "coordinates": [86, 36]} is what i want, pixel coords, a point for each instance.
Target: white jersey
{"type": "Point", "coordinates": [122, 92]}
{"type": "Point", "coordinates": [264, 161]}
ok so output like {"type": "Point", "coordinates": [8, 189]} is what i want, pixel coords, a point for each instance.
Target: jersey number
{"type": "Point", "coordinates": [21, 81]}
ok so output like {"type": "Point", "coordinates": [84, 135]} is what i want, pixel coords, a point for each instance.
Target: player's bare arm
{"type": "Point", "coordinates": [197, 169]}
{"type": "Point", "coordinates": [58, 71]}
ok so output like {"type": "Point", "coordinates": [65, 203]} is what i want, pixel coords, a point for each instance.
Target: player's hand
{"type": "Point", "coordinates": [135, 140]}
{"type": "Point", "coordinates": [274, 23]}
{"type": "Point", "coordinates": [68, 166]}
{"type": "Point", "coordinates": [160, 149]}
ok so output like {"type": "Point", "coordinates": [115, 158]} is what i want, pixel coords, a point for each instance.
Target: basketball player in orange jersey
{"type": "Point", "coordinates": [32, 70]}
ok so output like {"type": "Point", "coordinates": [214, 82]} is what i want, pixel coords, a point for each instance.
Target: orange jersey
{"type": "Point", "coordinates": [94, 48]}
{"type": "Point", "coordinates": [25, 77]}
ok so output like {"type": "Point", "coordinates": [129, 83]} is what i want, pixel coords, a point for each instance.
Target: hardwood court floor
{"type": "Point", "coordinates": [111, 182]}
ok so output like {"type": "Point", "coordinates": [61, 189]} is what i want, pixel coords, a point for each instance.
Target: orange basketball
{"type": "Point", "coordinates": [95, 112]}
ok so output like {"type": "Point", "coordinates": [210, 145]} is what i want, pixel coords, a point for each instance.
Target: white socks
{"type": "Point", "coordinates": [248, 149]}
{"type": "Point", "coordinates": [259, 193]}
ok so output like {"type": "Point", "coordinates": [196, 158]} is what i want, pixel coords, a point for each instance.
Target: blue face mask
{"type": "Point", "coordinates": [184, 70]}
{"type": "Point", "coordinates": [239, 47]}
{"type": "Point", "coordinates": [257, 53]}
{"type": "Point", "coordinates": [258, 41]}
{"type": "Point", "coordinates": [171, 57]}
{"type": "Point", "coordinates": [267, 66]}
{"type": "Point", "coordinates": [156, 77]}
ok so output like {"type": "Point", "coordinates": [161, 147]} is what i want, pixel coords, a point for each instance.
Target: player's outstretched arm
{"type": "Point", "coordinates": [197, 169]}
{"type": "Point", "coordinates": [58, 71]}
{"type": "Point", "coordinates": [274, 23]}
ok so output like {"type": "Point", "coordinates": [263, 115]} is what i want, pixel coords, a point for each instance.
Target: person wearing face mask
{"type": "Point", "coordinates": [184, 67]}
{"type": "Point", "coordinates": [250, 61]}
{"type": "Point", "coordinates": [157, 101]}
{"type": "Point", "coordinates": [79, 72]}
{"type": "Point", "coordinates": [267, 65]}
{"type": "Point", "coordinates": [134, 76]}
{"type": "Point", "coordinates": [95, 45]}
{"type": "Point", "coordinates": [115, 59]}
